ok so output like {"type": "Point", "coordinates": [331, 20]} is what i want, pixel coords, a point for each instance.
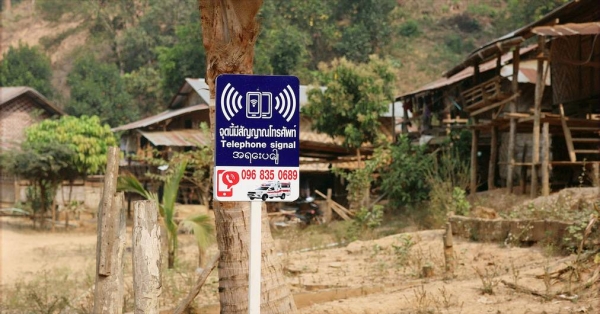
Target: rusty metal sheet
{"type": "Point", "coordinates": [178, 138]}
{"type": "Point", "coordinates": [568, 29]}
{"type": "Point", "coordinates": [159, 117]}
{"type": "Point", "coordinates": [468, 72]}
{"type": "Point", "coordinates": [527, 72]}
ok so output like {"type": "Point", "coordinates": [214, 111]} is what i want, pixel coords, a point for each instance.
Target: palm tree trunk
{"type": "Point", "coordinates": [233, 238]}
{"type": "Point", "coordinates": [229, 30]}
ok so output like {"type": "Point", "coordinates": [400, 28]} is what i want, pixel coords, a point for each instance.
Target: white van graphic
{"type": "Point", "coordinates": [271, 189]}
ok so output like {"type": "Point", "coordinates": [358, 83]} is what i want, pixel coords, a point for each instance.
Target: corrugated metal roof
{"type": "Point", "coordinates": [573, 11]}
{"type": "Point", "coordinates": [159, 117]}
{"type": "Point", "coordinates": [200, 86]}
{"type": "Point", "coordinates": [178, 138]}
{"type": "Point", "coordinates": [527, 72]}
{"type": "Point", "coordinates": [9, 93]}
{"type": "Point", "coordinates": [569, 29]}
{"type": "Point", "coordinates": [467, 73]}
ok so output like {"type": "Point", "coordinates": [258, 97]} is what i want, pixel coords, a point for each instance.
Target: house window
{"type": "Point", "coordinates": [187, 124]}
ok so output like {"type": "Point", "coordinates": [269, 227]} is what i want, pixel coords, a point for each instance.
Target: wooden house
{"type": "Point", "coordinates": [530, 98]}
{"type": "Point", "coordinates": [20, 107]}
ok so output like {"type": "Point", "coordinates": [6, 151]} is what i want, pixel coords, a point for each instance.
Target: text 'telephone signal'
{"type": "Point", "coordinates": [285, 103]}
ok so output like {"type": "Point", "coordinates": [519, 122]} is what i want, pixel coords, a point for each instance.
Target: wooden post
{"type": "Point", "coordinates": [567, 133]}
{"type": "Point", "coordinates": [493, 159]}
{"type": "Point", "coordinates": [513, 122]}
{"type": "Point", "coordinates": [596, 174]}
{"type": "Point", "coordinates": [146, 257]}
{"type": "Point", "coordinates": [108, 293]}
{"type": "Point", "coordinates": [405, 118]}
{"type": "Point", "coordinates": [53, 213]}
{"type": "Point", "coordinates": [523, 179]}
{"type": "Point", "coordinates": [449, 251]}
{"type": "Point", "coordinates": [17, 190]}
{"type": "Point", "coordinates": [427, 271]}
{"type": "Point", "coordinates": [474, 148]}
{"type": "Point", "coordinates": [539, 89]}
{"type": "Point", "coordinates": [546, 159]}
{"type": "Point", "coordinates": [328, 212]}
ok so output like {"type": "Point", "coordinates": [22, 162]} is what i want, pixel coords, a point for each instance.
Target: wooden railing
{"type": "Point", "coordinates": [482, 94]}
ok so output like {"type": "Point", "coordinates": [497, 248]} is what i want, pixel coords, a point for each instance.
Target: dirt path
{"type": "Point", "coordinates": [24, 251]}
{"type": "Point", "coordinates": [386, 263]}
{"type": "Point", "coordinates": [382, 276]}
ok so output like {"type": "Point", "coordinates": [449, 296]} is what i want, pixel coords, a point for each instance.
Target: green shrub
{"type": "Point", "coordinates": [53, 10]}
{"type": "Point", "coordinates": [369, 219]}
{"type": "Point", "coordinates": [409, 28]}
{"type": "Point", "coordinates": [459, 202]}
{"type": "Point", "coordinates": [404, 179]}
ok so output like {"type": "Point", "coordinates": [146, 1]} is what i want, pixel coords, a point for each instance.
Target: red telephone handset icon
{"type": "Point", "coordinates": [225, 180]}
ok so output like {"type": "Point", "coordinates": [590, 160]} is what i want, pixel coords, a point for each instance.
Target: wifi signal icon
{"type": "Point", "coordinates": [285, 103]}
{"type": "Point", "coordinates": [231, 102]}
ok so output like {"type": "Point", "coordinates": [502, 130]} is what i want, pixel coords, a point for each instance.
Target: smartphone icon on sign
{"type": "Point", "coordinates": [265, 105]}
{"type": "Point", "coordinates": [222, 189]}
{"type": "Point", "coordinates": [253, 104]}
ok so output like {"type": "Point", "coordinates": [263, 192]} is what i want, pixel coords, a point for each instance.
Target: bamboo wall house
{"type": "Point", "coordinates": [531, 100]}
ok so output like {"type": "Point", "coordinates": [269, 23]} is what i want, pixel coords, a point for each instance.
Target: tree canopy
{"type": "Point", "coordinates": [87, 137]}
{"type": "Point", "coordinates": [186, 58]}
{"type": "Point", "coordinates": [46, 165]}
{"type": "Point", "coordinates": [98, 89]}
{"type": "Point", "coordinates": [27, 66]}
{"type": "Point", "coordinates": [355, 97]}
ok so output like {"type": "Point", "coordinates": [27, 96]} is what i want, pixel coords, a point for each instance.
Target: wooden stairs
{"type": "Point", "coordinates": [581, 140]}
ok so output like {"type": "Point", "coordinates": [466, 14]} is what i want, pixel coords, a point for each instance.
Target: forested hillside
{"type": "Point", "coordinates": [124, 59]}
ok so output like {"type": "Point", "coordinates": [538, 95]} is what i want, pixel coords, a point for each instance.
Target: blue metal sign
{"type": "Point", "coordinates": [257, 130]}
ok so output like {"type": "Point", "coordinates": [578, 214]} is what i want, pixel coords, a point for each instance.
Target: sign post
{"type": "Point", "coordinates": [257, 151]}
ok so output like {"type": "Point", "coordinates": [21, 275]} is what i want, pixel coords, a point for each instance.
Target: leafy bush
{"type": "Point", "coordinates": [87, 137]}
{"type": "Point", "coordinates": [356, 95]}
{"type": "Point", "coordinates": [448, 177]}
{"type": "Point", "coordinates": [459, 201]}
{"type": "Point", "coordinates": [360, 180]}
{"type": "Point", "coordinates": [409, 28]}
{"type": "Point", "coordinates": [369, 219]}
{"type": "Point", "coordinates": [404, 179]}
{"type": "Point", "coordinates": [45, 164]}
{"type": "Point", "coordinates": [465, 23]}
{"type": "Point", "coordinates": [459, 45]}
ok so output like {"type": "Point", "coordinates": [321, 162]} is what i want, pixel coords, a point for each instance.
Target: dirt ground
{"type": "Point", "coordinates": [378, 276]}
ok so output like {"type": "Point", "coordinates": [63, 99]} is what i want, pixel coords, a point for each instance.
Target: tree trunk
{"type": "Point", "coordinates": [233, 237]}
{"type": "Point", "coordinates": [7, 6]}
{"type": "Point", "coordinates": [229, 30]}
{"type": "Point", "coordinates": [43, 205]}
